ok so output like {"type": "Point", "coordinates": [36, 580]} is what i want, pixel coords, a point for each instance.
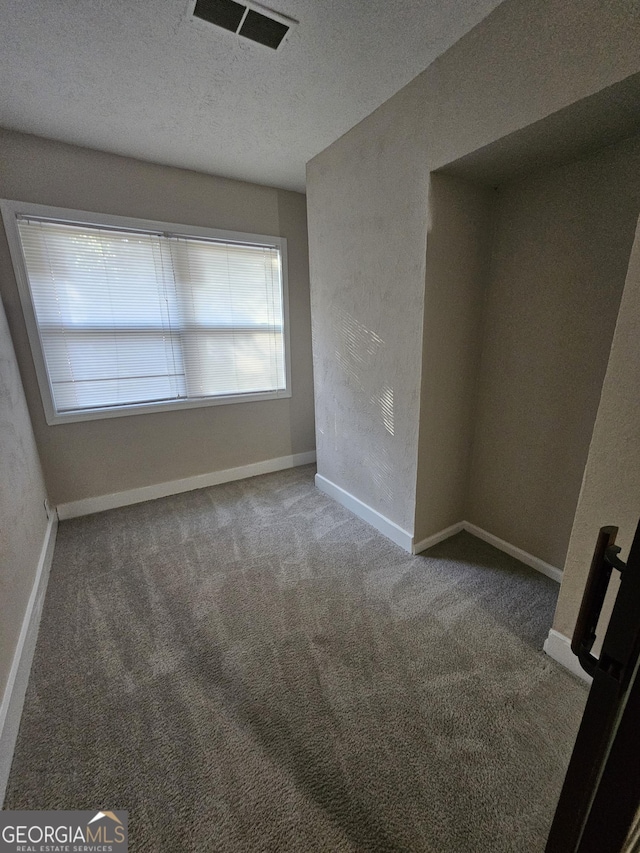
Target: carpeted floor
{"type": "Point", "coordinates": [251, 668]}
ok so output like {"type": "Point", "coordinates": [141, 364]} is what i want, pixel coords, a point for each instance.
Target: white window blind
{"type": "Point", "coordinates": [131, 318]}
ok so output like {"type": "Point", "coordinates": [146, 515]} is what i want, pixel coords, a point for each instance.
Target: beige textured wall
{"type": "Point", "coordinates": [23, 521]}
{"type": "Point", "coordinates": [458, 256]}
{"type": "Point", "coordinates": [610, 492]}
{"type": "Point", "coordinates": [368, 200]}
{"type": "Point", "coordinates": [368, 204]}
{"type": "Point", "coordinates": [93, 458]}
{"type": "Point", "coordinates": [560, 255]}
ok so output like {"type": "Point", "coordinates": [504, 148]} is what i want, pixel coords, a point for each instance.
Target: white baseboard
{"type": "Point", "coordinates": [381, 523]}
{"type": "Point", "coordinates": [430, 541]}
{"type": "Point", "coordinates": [15, 689]}
{"type": "Point", "coordinates": [558, 647]}
{"type": "Point", "coordinates": [174, 487]}
{"type": "Point", "coordinates": [524, 557]}
{"type": "Point", "coordinates": [405, 540]}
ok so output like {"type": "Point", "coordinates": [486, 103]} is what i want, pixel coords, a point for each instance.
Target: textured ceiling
{"type": "Point", "coordinates": [140, 78]}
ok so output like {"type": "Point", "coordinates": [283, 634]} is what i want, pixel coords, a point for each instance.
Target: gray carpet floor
{"type": "Point", "coordinates": [251, 668]}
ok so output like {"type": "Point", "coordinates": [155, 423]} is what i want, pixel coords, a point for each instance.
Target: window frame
{"type": "Point", "coordinates": [11, 210]}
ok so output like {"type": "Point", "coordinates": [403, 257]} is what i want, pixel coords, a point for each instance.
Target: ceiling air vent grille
{"type": "Point", "coordinates": [222, 13]}
{"type": "Point", "coordinates": [251, 21]}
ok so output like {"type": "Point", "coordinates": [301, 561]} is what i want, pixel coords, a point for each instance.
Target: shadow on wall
{"type": "Point", "coordinates": [457, 258]}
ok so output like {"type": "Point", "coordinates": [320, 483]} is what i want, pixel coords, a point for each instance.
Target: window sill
{"type": "Point", "coordinates": [53, 418]}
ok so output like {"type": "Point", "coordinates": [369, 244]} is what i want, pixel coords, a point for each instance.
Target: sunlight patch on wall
{"type": "Point", "coordinates": [384, 404]}
{"type": "Point", "coordinates": [359, 350]}
{"type": "Point", "coordinates": [359, 347]}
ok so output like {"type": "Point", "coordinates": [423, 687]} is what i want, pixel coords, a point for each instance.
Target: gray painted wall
{"type": "Point", "coordinates": [610, 492]}
{"type": "Point", "coordinates": [23, 520]}
{"type": "Point", "coordinates": [458, 262]}
{"type": "Point", "coordinates": [560, 255]}
{"type": "Point", "coordinates": [93, 458]}
{"type": "Point", "coordinates": [369, 209]}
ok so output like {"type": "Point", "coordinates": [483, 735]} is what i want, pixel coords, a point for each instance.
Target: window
{"type": "Point", "coordinates": [126, 316]}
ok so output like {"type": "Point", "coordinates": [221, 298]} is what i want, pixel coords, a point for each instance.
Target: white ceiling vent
{"type": "Point", "coordinates": [249, 20]}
